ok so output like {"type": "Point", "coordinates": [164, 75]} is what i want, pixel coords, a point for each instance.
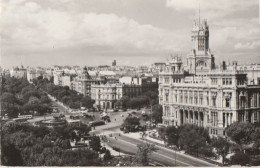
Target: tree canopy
{"type": "Point", "coordinates": [19, 96]}
{"type": "Point", "coordinates": [131, 121]}
{"type": "Point", "coordinates": [26, 145]}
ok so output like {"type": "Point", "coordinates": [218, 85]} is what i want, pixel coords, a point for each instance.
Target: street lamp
{"type": "Point", "coordinates": [175, 158]}
{"type": "Point", "coordinates": [151, 112]}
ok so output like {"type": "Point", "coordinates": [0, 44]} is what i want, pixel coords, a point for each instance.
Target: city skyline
{"type": "Point", "coordinates": [132, 32]}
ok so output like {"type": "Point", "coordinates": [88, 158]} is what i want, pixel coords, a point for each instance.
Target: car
{"type": "Point", "coordinates": [133, 112]}
{"type": "Point", "coordinates": [115, 110]}
{"type": "Point", "coordinates": [138, 108]}
{"type": "Point", "coordinates": [105, 117]}
{"type": "Point", "coordinates": [124, 109]}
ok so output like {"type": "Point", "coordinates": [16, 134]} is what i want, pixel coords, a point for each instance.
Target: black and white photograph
{"type": "Point", "coordinates": [130, 83]}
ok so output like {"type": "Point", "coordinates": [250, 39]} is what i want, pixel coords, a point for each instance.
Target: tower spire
{"type": "Point", "coordinates": [199, 13]}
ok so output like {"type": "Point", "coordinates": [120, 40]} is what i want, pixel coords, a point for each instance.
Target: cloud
{"type": "Point", "coordinates": [212, 8]}
{"type": "Point", "coordinates": [248, 45]}
{"type": "Point", "coordinates": [32, 27]}
{"type": "Point", "coordinates": [91, 28]}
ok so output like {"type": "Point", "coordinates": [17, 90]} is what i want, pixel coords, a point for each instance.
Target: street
{"type": "Point", "coordinates": [162, 155]}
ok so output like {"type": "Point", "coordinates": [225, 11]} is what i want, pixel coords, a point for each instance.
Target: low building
{"type": "Point", "coordinates": [82, 83]}
{"type": "Point", "coordinates": [129, 80]}
{"type": "Point", "coordinates": [107, 95]}
{"type": "Point", "coordinates": [18, 72]}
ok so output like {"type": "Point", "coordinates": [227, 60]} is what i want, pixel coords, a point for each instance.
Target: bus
{"type": "Point", "coordinates": [25, 116]}
{"type": "Point", "coordinates": [96, 123]}
{"type": "Point", "coordinates": [19, 119]}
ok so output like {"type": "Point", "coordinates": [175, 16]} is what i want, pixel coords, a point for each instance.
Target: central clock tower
{"type": "Point", "coordinates": [200, 59]}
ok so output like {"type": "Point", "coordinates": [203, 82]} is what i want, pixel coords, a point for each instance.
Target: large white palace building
{"type": "Point", "coordinates": [204, 94]}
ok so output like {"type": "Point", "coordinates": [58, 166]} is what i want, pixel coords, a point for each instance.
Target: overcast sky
{"type": "Point", "coordinates": [134, 32]}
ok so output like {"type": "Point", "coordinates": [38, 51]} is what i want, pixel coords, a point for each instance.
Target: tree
{"type": "Point", "coordinates": [157, 113]}
{"type": "Point", "coordinates": [124, 101]}
{"type": "Point", "coordinates": [10, 155]}
{"type": "Point", "coordinates": [131, 121]}
{"type": "Point", "coordinates": [107, 155]}
{"type": "Point", "coordinates": [87, 102]}
{"type": "Point", "coordinates": [222, 147]}
{"type": "Point", "coordinates": [95, 143]}
{"type": "Point", "coordinates": [172, 135]}
{"type": "Point", "coordinates": [144, 150]}
{"type": "Point", "coordinates": [240, 158]}
{"type": "Point", "coordinates": [26, 145]}
{"type": "Point", "coordinates": [162, 132]}
{"type": "Point", "coordinates": [240, 133]}
{"type": "Point", "coordinates": [8, 98]}
{"type": "Point", "coordinates": [193, 139]}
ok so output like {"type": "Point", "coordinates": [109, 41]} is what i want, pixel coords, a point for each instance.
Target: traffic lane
{"type": "Point", "coordinates": [181, 158]}
{"type": "Point", "coordinates": [161, 153]}
{"type": "Point", "coordinates": [132, 148]}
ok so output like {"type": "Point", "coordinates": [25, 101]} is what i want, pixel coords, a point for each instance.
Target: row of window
{"type": "Point", "coordinates": [214, 81]}
{"type": "Point", "coordinates": [108, 97]}
{"type": "Point", "coordinates": [240, 82]}
{"type": "Point", "coordinates": [227, 81]}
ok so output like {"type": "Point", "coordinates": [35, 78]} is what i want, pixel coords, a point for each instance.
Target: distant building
{"type": "Point", "coordinates": [18, 72]}
{"type": "Point", "coordinates": [83, 82]}
{"type": "Point", "coordinates": [103, 68]}
{"type": "Point", "coordinates": [253, 72]}
{"type": "Point", "coordinates": [31, 75]}
{"type": "Point", "coordinates": [66, 81]}
{"type": "Point", "coordinates": [114, 63]}
{"type": "Point", "coordinates": [158, 66]}
{"type": "Point", "coordinates": [107, 95]}
{"type": "Point", "coordinates": [130, 80]}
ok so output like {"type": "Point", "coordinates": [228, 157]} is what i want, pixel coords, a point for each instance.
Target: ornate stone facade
{"type": "Point", "coordinates": [203, 94]}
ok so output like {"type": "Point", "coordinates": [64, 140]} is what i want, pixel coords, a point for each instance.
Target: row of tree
{"type": "Point", "coordinates": [19, 96]}
{"type": "Point", "coordinates": [64, 94]}
{"type": "Point", "coordinates": [196, 141]}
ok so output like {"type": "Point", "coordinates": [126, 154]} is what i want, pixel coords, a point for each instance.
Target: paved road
{"type": "Point", "coordinates": [162, 155]}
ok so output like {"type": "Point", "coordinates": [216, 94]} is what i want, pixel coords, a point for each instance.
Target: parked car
{"type": "Point", "coordinates": [115, 110]}
{"type": "Point", "coordinates": [124, 109]}
{"type": "Point", "coordinates": [133, 112]}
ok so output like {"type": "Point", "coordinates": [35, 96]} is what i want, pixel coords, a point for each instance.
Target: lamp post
{"type": "Point", "coordinates": [151, 112]}
{"type": "Point", "coordinates": [119, 150]}
{"type": "Point", "coordinates": [175, 158]}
